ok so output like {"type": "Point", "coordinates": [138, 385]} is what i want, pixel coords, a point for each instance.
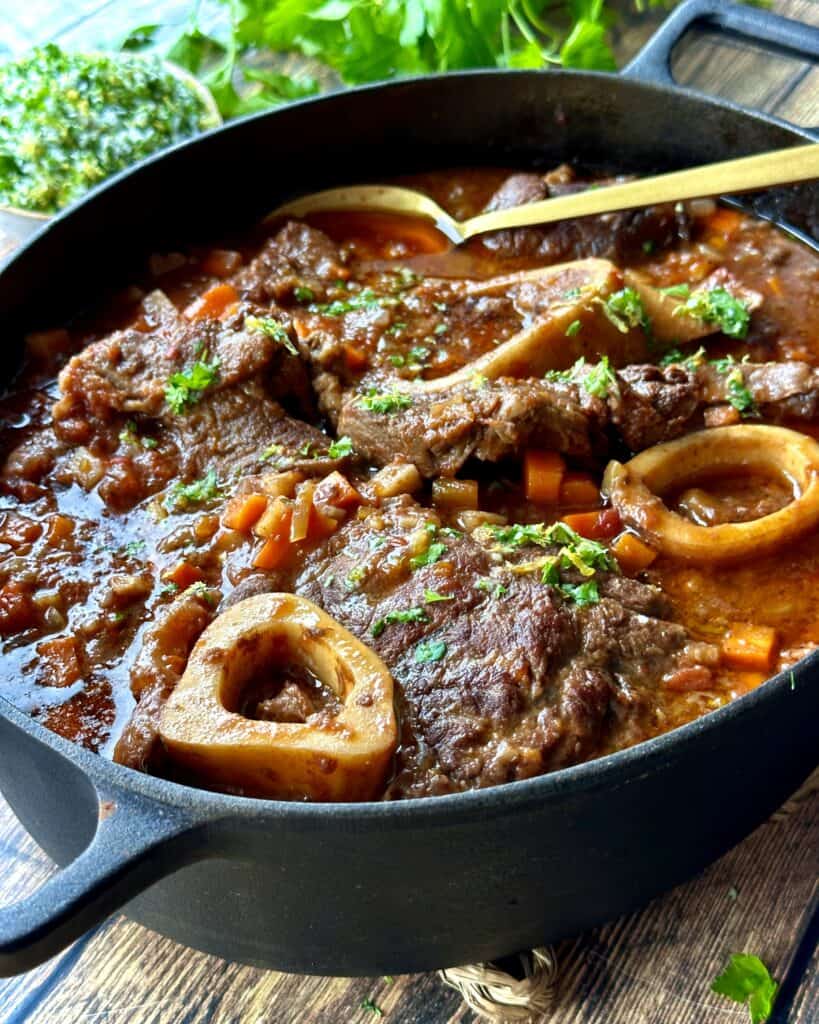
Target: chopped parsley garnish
{"type": "Point", "coordinates": [677, 291]}
{"type": "Point", "coordinates": [648, 246]}
{"type": "Point", "coordinates": [718, 306]}
{"type": "Point", "coordinates": [432, 597]}
{"type": "Point", "coordinates": [441, 329]}
{"type": "Point", "coordinates": [273, 329]}
{"type": "Point", "coordinates": [430, 650]}
{"type": "Point", "coordinates": [397, 360]}
{"type": "Point", "coordinates": [302, 294]}
{"type": "Point", "coordinates": [747, 980]}
{"type": "Point", "coordinates": [365, 299]}
{"type": "Point", "coordinates": [581, 594]}
{"type": "Point", "coordinates": [738, 394]}
{"type": "Point", "coordinates": [306, 449]}
{"type": "Point", "coordinates": [384, 402]}
{"type": "Point", "coordinates": [600, 379]}
{"type": "Point", "coordinates": [168, 589]}
{"type": "Point", "coordinates": [354, 577]}
{"type": "Point", "coordinates": [478, 381]}
{"type": "Point", "coordinates": [572, 293]}
{"type": "Point", "coordinates": [491, 586]}
{"type": "Point", "coordinates": [201, 590]}
{"type": "Point", "coordinates": [371, 1007]}
{"type": "Point", "coordinates": [417, 354]}
{"type": "Point", "coordinates": [128, 435]}
{"type": "Point", "coordinates": [180, 496]}
{"type": "Point", "coordinates": [340, 448]}
{"type": "Point", "coordinates": [185, 389]}
{"type": "Point", "coordinates": [625, 310]}
{"type": "Point", "coordinates": [135, 548]}
{"type": "Point", "coordinates": [676, 357]}
{"type": "Point", "coordinates": [271, 452]}
{"type": "Point", "coordinates": [574, 328]}
{"type": "Point", "coordinates": [433, 554]}
{"type": "Point", "coordinates": [578, 553]}
{"type": "Point", "coordinates": [410, 615]}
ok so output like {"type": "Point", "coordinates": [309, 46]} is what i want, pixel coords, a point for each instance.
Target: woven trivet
{"type": "Point", "coordinates": [500, 997]}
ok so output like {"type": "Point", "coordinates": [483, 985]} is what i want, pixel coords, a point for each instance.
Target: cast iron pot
{"type": "Point", "coordinates": [407, 886]}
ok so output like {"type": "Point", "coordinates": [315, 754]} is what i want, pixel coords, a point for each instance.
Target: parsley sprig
{"type": "Point", "coordinates": [384, 402]}
{"type": "Point", "coordinates": [182, 496]}
{"type": "Point", "coordinates": [718, 306]}
{"type": "Point", "coordinates": [185, 389]}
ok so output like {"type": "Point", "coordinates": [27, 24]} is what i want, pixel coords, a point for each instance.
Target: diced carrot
{"type": "Point", "coordinates": [184, 575]}
{"type": "Point", "coordinates": [355, 358]}
{"type": "Point", "coordinates": [600, 525]}
{"type": "Point", "coordinates": [750, 647]}
{"type": "Point", "coordinates": [60, 528]}
{"type": "Point", "coordinates": [775, 285]}
{"type": "Point", "coordinates": [17, 609]}
{"type": "Point", "coordinates": [17, 530]}
{"type": "Point", "coordinates": [336, 490]}
{"type": "Point", "coordinates": [455, 494]}
{"type": "Point", "coordinates": [579, 489]}
{"type": "Point", "coordinates": [243, 512]}
{"type": "Point", "coordinates": [59, 661]}
{"type": "Point", "coordinates": [724, 221]}
{"type": "Point", "coordinates": [542, 475]}
{"type": "Point", "coordinates": [690, 678]}
{"type": "Point", "coordinates": [221, 262]}
{"type": "Point", "coordinates": [278, 547]}
{"type": "Point", "coordinates": [716, 241]}
{"type": "Point", "coordinates": [632, 554]}
{"type": "Point", "coordinates": [212, 303]}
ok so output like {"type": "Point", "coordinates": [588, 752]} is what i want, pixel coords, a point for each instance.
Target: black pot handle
{"type": "Point", "coordinates": [781, 35]}
{"type": "Point", "coordinates": [137, 842]}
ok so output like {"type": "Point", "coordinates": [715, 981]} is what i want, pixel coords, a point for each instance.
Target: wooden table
{"type": "Point", "coordinates": [650, 968]}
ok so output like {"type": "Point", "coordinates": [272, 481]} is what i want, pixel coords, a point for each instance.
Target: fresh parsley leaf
{"type": "Point", "coordinates": [340, 448]}
{"type": "Point", "coordinates": [185, 389]}
{"type": "Point", "coordinates": [201, 590]}
{"type": "Point", "coordinates": [410, 615]}
{"type": "Point", "coordinates": [139, 38]}
{"type": "Point", "coordinates": [600, 379]}
{"type": "Point", "coordinates": [432, 597]}
{"type": "Point", "coordinates": [433, 554]}
{"type": "Point", "coordinates": [384, 402]}
{"type": "Point", "coordinates": [747, 980]}
{"type": "Point", "coordinates": [718, 306]}
{"type": "Point", "coordinates": [586, 46]}
{"type": "Point", "coordinates": [625, 310]}
{"type": "Point", "coordinates": [303, 294]}
{"type": "Point", "coordinates": [574, 328]}
{"type": "Point", "coordinates": [675, 356]}
{"type": "Point", "coordinates": [372, 1007]}
{"type": "Point", "coordinates": [135, 548]}
{"type": "Point", "coordinates": [737, 392]}
{"type": "Point", "coordinates": [365, 299]}
{"type": "Point", "coordinates": [430, 650]}
{"type": "Point", "coordinates": [491, 586]}
{"type": "Point", "coordinates": [354, 577]}
{"type": "Point", "coordinates": [581, 594]}
{"type": "Point", "coordinates": [180, 496]}
{"type": "Point", "coordinates": [273, 329]}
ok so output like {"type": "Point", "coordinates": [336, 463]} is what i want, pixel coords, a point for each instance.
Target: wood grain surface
{"type": "Point", "coordinates": [654, 967]}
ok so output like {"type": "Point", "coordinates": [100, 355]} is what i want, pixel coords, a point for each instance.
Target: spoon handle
{"type": "Point", "coordinates": [781, 167]}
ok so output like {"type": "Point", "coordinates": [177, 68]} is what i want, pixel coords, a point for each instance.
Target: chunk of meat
{"type": "Point", "coordinates": [493, 685]}
{"type": "Point", "coordinates": [642, 406]}
{"type": "Point", "coordinates": [297, 256]}
{"type": "Point", "coordinates": [614, 236]}
{"type": "Point", "coordinates": [128, 371]}
{"type": "Point", "coordinates": [158, 667]}
{"type": "Point", "coordinates": [439, 431]}
{"type": "Point", "coordinates": [234, 430]}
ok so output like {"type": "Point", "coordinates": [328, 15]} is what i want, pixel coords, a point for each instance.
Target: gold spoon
{"type": "Point", "coordinates": [781, 167]}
